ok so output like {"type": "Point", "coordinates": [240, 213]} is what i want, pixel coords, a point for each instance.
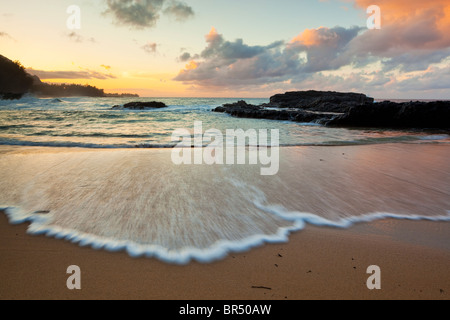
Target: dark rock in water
{"type": "Point", "coordinates": [345, 110]}
{"type": "Point", "coordinates": [237, 107]}
{"type": "Point", "coordinates": [141, 105]}
{"type": "Point", "coordinates": [388, 114]}
{"type": "Point", "coordinates": [300, 106]}
{"type": "Point", "coordinates": [325, 101]}
{"type": "Point", "coordinates": [314, 117]}
{"type": "Point", "coordinates": [241, 109]}
{"type": "Point", "coordinates": [144, 105]}
{"type": "Point", "coordinates": [220, 109]}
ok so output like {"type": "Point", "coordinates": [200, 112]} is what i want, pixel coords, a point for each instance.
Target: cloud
{"type": "Point", "coordinates": [233, 63]}
{"type": "Point", "coordinates": [75, 37]}
{"type": "Point", "coordinates": [417, 60]}
{"type": "Point", "coordinates": [142, 14]}
{"type": "Point", "coordinates": [412, 45]}
{"type": "Point", "coordinates": [105, 67]}
{"type": "Point", "coordinates": [6, 35]}
{"type": "Point", "coordinates": [414, 22]}
{"type": "Point", "coordinates": [229, 51]}
{"type": "Point", "coordinates": [324, 47]}
{"type": "Point", "coordinates": [414, 34]}
{"type": "Point", "coordinates": [186, 56]}
{"type": "Point", "coordinates": [180, 11]}
{"type": "Point", "coordinates": [150, 47]}
{"type": "Point", "coordinates": [85, 74]}
{"type": "Point", "coordinates": [431, 79]}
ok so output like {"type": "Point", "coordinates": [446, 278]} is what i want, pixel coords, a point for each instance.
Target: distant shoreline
{"type": "Point", "coordinates": [16, 81]}
{"type": "Point", "coordinates": [131, 95]}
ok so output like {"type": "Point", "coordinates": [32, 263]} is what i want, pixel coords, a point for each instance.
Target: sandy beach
{"type": "Point", "coordinates": [316, 263]}
{"type": "Point", "coordinates": [214, 150]}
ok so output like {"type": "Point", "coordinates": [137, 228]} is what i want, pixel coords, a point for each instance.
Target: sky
{"type": "Point", "coordinates": [233, 48]}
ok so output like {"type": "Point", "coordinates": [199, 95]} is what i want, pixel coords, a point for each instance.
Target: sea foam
{"type": "Point", "coordinates": [139, 202]}
{"type": "Point", "coordinates": [219, 250]}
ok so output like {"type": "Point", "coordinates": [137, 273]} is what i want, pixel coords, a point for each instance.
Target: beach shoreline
{"type": "Point", "coordinates": [316, 262]}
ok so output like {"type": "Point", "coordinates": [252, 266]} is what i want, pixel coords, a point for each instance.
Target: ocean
{"type": "Point", "coordinates": [90, 123]}
{"type": "Point", "coordinates": [109, 181]}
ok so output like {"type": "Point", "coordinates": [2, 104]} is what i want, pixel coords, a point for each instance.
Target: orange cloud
{"type": "Point", "coordinates": [415, 19]}
{"type": "Point", "coordinates": [316, 37]}
{"type": "Point", "coordinates": [192, 65]}
{"type": "Point", "coordinates": [398, 9]}
{"type": "Point", "coordinates": [212, 34]}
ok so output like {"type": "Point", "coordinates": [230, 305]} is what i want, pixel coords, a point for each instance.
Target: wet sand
{"type": "Point", "coordinates": [316, 263]}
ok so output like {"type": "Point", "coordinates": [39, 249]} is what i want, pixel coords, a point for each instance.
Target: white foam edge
{"type": "Point", "coordinates": [219, 250]}
{"type": "Point", "coordinates": [312, 219]}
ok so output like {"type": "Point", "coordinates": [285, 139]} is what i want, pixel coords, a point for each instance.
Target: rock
{"type": "Point", "coordinates": [145, 105]}
{"type": "Point", "coordinates": [220, 109]}
{"type": "Point", "coordinates": [396, 115]}
{"type": "Point", "coordinates": [345, 110]}
{"type": "Point", "coordinates": [241, 109]}
{"type": "Point", "coordinates": [314, 117]}
{"type": "Point", "coordinates": [325, 101]}
{"type": "Point", "coordinates": [240, 103]}
{"type": "Point", "coordinates": [141, 105]}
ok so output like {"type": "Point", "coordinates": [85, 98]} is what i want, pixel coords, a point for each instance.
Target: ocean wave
{"type": "Point", "coordinates": [436, 137]}
{"type": "Point", "coordinates": [152, 145]}
{"type": "Point", "coordinates": [15, 126]}
{"type": "Point", "coordinates": [144, 204]}
{"type": "Point", "coordinates": [219, 250]}
{"type": "Point", "coordinates": [69, 144]}
{"type": "Point", "coordinates": [92, 134]}
{"type": "Point", "coordinates": [94, 125]}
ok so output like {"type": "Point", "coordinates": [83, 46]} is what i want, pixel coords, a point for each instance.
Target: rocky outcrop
{"type": "Point", "coordinates": [388, 114]}
{"type": "Point", "coordinates": [141, 105]}
{"type": "Point", "coordinates": [345, 110]}
{"type": "Point", "coordinates": [243, 110]}
{"type": "Point", "coordinates": [324, 101]}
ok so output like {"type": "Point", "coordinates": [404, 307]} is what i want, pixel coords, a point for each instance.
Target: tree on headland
{"type": "Point", "coordinates": [15, 82]}
{"type": "Point", "coordinates": [66, 90]}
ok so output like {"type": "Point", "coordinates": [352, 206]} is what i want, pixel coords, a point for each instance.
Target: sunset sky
{"type": "Point", "coordinates": [234, 48]}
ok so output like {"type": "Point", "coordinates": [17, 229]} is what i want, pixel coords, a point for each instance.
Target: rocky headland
{"type": "Point", "coordinates": [15, 82]}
